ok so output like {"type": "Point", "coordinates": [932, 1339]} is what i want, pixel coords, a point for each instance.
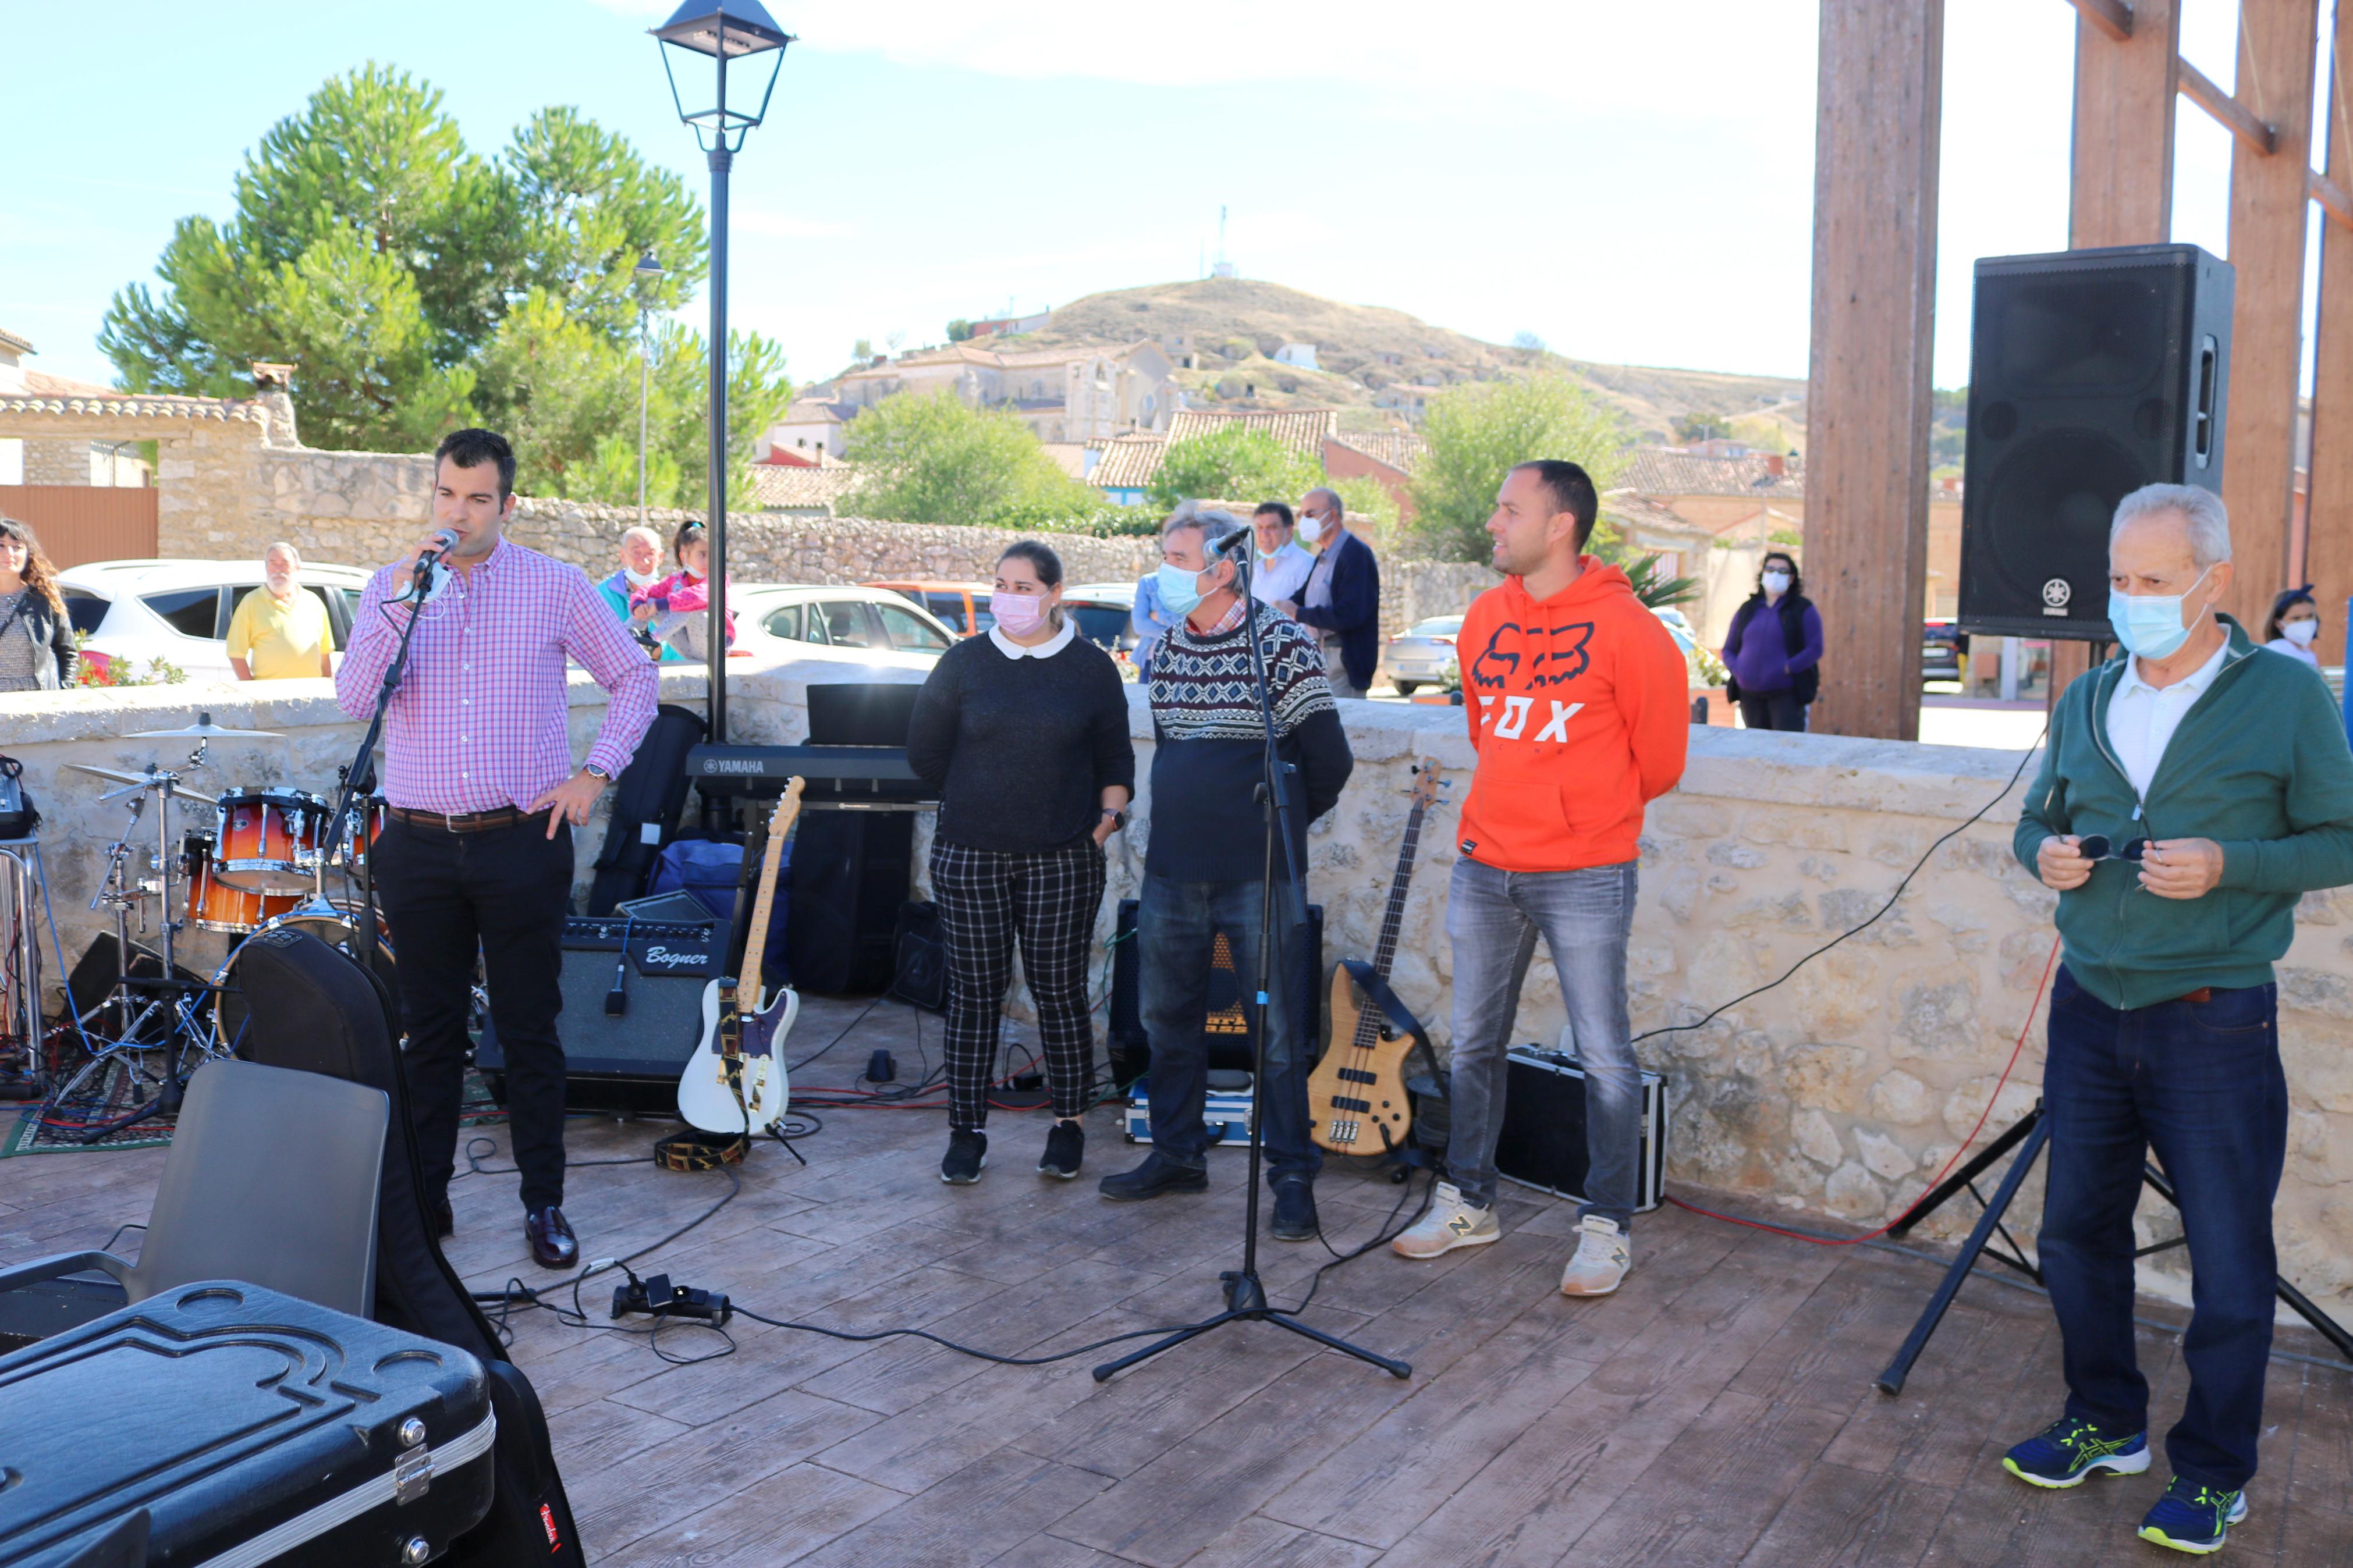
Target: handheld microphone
{"type": "Point", "coordinates": [429, 570]}
{"type": "Point", "coordinates": [444, 541]}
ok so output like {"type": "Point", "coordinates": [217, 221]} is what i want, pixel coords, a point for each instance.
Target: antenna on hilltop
{"type": "Point", "coordinates": [1224, 269]}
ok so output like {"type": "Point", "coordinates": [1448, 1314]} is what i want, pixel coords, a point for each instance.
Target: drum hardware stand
{"type": "Point", "coordinates": [1245, 1293]}
{"type": "Point", "coordinates": [2028, 1134]}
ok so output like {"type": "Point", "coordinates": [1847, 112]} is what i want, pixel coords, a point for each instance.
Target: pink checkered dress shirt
{"type": "Point", "coordinates": [479, 721]}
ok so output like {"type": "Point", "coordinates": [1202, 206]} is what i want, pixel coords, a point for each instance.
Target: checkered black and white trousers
{"type": "Point", "coordinates": [1048, 901]}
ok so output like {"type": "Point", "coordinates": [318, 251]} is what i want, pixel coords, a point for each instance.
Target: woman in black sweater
{"type": "Point", "coordinates": [1024, 733]}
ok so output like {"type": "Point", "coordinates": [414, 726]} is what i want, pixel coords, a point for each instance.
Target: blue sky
{"type": "Point", "coordinates": [1631, 182]}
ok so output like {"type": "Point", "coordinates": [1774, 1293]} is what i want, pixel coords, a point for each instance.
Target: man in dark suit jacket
{"type": "Point", "coordinates": [1342, 600]}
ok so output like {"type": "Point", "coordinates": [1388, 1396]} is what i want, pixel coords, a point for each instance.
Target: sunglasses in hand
{"type": "Point", "coordinates": [2099, 847]}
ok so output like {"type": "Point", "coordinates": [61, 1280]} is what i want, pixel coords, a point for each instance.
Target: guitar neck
{"type": "Point", "coordinates": [1393, 917]}
{"type": "Point", "coordinates": [764, 902]}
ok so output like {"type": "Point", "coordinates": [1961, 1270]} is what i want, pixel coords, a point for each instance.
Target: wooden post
{"type": "Point", "coordinates": [2269, 196]}
{"type": "Point", "coordinates": [2328, 527]}
{"type": "Point", "coordinates": [1880, 91]}
{"type": "Point", "coordinates": [2122, 187]}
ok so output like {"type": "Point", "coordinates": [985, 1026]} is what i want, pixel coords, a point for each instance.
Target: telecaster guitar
{"type": "Point", "coordinates": [1357, 1099]}
{"type": "Point", "coordinates": [734, 1082]}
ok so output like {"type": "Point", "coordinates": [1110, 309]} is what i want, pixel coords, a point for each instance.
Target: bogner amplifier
{"type": "Point", "coordinates": [1543, 1143]}
{"type": "Point", "coordinates": [654, 972]}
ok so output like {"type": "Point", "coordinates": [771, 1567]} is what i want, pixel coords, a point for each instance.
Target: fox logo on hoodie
{"type": "Point", "coordinates": [1577, 707]}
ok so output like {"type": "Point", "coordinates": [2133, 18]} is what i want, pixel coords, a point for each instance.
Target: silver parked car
{"type": "Point", "coordinates": [1421, 655]}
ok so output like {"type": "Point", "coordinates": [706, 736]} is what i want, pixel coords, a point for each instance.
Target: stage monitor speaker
{"type": "Point", "coordinates": [630, 1061]}
{"type": "Point", "coordinates": [2092, 372]}
{"type": "Point", "coordinates": [100, 964]}
{"type": "Point", "coordinates": [852, 870]}
{"type": "Point", "coordinates": [1227, 1027]}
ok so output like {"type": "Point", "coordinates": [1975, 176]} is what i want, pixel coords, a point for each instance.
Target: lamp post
{"type": "Point", "coordinates": [724, 32]}
{"type": "Point", "coordinates": [649, 272]}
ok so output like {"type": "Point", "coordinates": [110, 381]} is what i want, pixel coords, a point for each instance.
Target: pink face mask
{"type": "Point", "coordinates": [1019, 614]}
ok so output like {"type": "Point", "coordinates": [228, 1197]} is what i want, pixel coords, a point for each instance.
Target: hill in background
{"type": "Point", "coordinates": [1371, 359]}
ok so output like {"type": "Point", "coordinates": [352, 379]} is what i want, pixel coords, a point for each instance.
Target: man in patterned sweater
{"type": "Point", "coordinates": [1204, 863]}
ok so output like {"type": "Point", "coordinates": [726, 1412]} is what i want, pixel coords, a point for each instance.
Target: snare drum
{"type": "Point", "coordinates": [267, 840]}
{"type": "Point", "coordinates": [214, 905]}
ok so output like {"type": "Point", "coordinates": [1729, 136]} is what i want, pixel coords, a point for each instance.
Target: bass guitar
{"type": "Point", "coordinates": [734, 1082]}
{"type": "Point", "coordinates": [1357, 1101]}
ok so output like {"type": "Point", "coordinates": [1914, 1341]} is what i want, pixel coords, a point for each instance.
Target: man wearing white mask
{"type": "Point", "coordinates": [1342, 599]}
{"type": "Point", "coordinates": [2193, 789]}
{"type": "Point", "coordinates": [641, 556]}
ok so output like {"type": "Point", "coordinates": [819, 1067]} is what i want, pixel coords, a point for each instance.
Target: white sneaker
{"type": "Point", "coordinates": [1604, 1253]}
{"type": "Point", "coordinates": [1450, 1223]}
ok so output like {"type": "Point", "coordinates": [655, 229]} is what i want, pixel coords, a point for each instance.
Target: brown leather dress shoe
{"type": "Point", "coordinates": [553, 1244]}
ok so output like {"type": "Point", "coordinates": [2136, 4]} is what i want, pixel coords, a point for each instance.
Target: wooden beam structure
{"type": "Point", "coordinates": [1880, 95]}
{"type": "Point", "coordinates": [2270, 197]}
{"type": "Point", "coordinates": [2256, 135]}
{"type": "Point", "coordinates": [2113, 18]}
{"type": "Point", "coordinates": [2328, 508]}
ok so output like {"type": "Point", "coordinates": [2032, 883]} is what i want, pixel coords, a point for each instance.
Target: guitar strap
{"type": "Point", "coordinates": [1400, 1017]}
{"type": "Point", "coordinates": [695, 1150]}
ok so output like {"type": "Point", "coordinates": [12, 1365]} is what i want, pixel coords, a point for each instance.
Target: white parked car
{"type": "Point", "coordinates": [874, 625]}
{"type": "Point", "coordinates": [178, 611]}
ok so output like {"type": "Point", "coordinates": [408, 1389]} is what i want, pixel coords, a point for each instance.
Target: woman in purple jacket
{"type": "Point", "coordinates": [1775, 649]}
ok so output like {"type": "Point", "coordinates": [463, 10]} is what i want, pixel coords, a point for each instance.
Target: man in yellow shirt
{"type": "Point", "coordinates": [279, 631]}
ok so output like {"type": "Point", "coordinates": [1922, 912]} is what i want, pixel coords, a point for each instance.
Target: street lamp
{"type": "Point", "coordinates": [724, 32]}
{"type": "Point", "coordinates": [649, 273]}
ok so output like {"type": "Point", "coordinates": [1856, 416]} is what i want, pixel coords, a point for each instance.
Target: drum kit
{"type": "Point", "coordinates": [259, 860]}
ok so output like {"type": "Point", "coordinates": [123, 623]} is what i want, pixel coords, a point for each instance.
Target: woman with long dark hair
{"type": "Point", "coordinates": [36, 642]}
{"type": "Point", "coordinates": [1775, 649]}
{"type": "Point", "coordinates": [2293, 625]}
{"type": "Point", "coordinates": [1024, 734]}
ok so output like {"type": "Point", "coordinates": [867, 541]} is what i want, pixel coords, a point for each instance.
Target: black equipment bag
{"type": "Point", "coordinates": [316, 1011]}
{"type": "Point", "coordinates": [852, 870]}
{"type": "Point", "coordinates": [18, 818]}
{"type": "Point", "coordinates": [248, 1427]}
{"type": "Point", "coordinates": [649, 793]}
{"type": "Point", "coordinates": [921, 978]}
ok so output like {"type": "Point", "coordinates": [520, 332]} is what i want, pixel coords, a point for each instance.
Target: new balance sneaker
{"type": "Point", "coordinates": [1604, 1253]}
{"type": "Point", "coordinates": [1066, 1144]}
{"type": "Point", "coordinates": [2192, 1518]}
{"type": "Point", "coordinates": [1450, 1223]}
{"type": "Point", "coordinates": [968, 1153]}
{"type": "Point", "coordinates": [2070, 1451]}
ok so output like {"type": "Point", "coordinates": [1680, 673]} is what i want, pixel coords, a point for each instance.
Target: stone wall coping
{"type": "Point", "coordinates": [134, 406]}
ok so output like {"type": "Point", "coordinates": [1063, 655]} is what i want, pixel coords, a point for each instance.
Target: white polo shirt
{"type": "Point", "coordinates": [2142, 717]}
{"type": "Point", "coordinates": [1282, 574]}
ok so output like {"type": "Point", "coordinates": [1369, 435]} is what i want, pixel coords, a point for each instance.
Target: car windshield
{"type": "Point", "coordinates": [1437, 626]}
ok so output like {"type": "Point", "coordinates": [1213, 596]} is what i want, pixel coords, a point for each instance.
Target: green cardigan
{"type": "Point", "coordinates": [2259, 765]}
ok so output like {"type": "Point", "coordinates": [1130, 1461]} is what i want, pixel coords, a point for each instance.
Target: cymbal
{"type": "Point", "coordinates": [137, 780]}
{"type": "Point", "coordinates": [204, 729]}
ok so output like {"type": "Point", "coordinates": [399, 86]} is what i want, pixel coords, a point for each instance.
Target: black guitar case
{"type": "Point", "coordinates": [315, 1010]}
{"type": "Point", "coordinates": [651, 789]}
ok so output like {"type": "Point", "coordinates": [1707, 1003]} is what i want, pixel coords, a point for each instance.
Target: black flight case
{"type": "Point", "coordinates": [248, 1427]}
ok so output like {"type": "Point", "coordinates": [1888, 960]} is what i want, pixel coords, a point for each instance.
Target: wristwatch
{"type": "Point", "coordinates": [594, 772]}
{"type": "Point", "coordinates": [1118, 817]}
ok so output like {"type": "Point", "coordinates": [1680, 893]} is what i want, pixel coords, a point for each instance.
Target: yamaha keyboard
{"type": "Point", "coordinates": [838, 778]}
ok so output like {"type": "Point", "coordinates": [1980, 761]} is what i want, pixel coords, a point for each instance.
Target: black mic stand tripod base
{"type": "Point", "coordinates": [1245, 1293]}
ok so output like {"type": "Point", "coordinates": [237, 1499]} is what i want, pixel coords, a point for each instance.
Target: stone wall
{"type": "Point", "coordinates": [1840, 1093]}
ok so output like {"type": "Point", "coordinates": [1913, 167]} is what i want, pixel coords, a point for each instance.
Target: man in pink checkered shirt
{"type": "Point", "coordinates": [483, 799]}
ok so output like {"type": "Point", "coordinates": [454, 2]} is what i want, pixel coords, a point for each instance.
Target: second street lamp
{"type": "Point", "coordinates": [724, 32]}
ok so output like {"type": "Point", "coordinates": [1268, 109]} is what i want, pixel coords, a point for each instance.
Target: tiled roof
{"type": "Point", "coordinates": [1301, 430]}
{"type": "Point", "coordinates": [802, 489]}
{"type": "Point", "coordinates": [1401, 449]}
{"type": "Point", "coordinates": [1128, 462]}
{"type": "Point", "coordinates": [132, 406]}
{"type": "Point", "coordinates": [815, 410]}
{"type": "Point", "coordinates": [9, 340]}
{"type": "Point", "coordinates": [1631, 509]}
{"type": "Point", "coordinates": [1665, 471]}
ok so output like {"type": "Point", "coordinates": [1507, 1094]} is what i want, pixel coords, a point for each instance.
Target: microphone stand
{"type": "Point", "coordinates": [1245, 1293]}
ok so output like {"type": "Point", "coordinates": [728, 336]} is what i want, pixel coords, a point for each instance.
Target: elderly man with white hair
{"type": "Point", "coordinates": [280, 632]}
{"type": "Point", "coordinates": [642, 557]}
{"type": "Point", "coordinates": [2194, 788]}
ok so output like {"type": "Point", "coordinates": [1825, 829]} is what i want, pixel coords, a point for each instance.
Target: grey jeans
{"type": "Point", "coordinates": [1493, 918]}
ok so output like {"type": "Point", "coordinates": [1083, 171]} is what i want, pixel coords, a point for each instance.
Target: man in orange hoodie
{"type": "Point", "coordinates": [1575, 695]}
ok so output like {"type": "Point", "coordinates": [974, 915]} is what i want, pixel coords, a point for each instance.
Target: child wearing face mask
{"type": "Point", "coordinates": [2295, 625]}
{"type": "Point", "coordinates": [1774, 649]}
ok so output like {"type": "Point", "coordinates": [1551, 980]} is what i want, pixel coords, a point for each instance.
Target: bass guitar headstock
{"type": "Point", "coordinates": [1426, 786]}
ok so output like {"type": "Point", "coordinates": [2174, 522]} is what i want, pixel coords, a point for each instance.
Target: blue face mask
{"type": "Point", "coordinates": [1180, 590]}
{"type": "Point", "coordinates": [2149, 626]}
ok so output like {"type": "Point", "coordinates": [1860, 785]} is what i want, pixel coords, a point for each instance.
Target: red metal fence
{"type": "Point", "coordinates": [85, 522]}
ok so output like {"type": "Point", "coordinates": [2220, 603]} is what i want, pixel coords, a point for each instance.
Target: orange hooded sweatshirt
{"type": "Point", "coordinates": [1578, 710]}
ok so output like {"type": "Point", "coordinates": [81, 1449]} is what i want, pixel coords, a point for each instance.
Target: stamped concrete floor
{"type": "Point", "coordinates": [1717, 1409]}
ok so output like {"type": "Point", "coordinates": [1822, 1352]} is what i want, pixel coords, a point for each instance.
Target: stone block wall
{"type": "Point", "coordinates": [1839, 1091]}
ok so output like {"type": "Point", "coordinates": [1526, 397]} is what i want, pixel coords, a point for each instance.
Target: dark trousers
{"type": "Point", "coordinates": [1773, 710]}
{"type": "Point", "coordinates": [1177, 928]}
{"type": "Point", "coordinates": [2200, 1083]}
{"type": "Point", "coordinates": [1048, 903]}
{"type": "Point", "coordinates": [502, 893]}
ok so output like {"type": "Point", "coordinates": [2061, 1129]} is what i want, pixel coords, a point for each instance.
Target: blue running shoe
{"type": "Point", "coordinates": [2192, 1518]}
{"type": "Point", "coordinates": [2069, 1450]}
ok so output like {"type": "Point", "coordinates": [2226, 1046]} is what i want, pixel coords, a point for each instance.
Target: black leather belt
{"type": "Point", "coordinates": [466, 821]}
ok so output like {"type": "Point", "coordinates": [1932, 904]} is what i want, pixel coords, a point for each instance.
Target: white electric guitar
{"type": "Point", "coordinates": [735, 1080]}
